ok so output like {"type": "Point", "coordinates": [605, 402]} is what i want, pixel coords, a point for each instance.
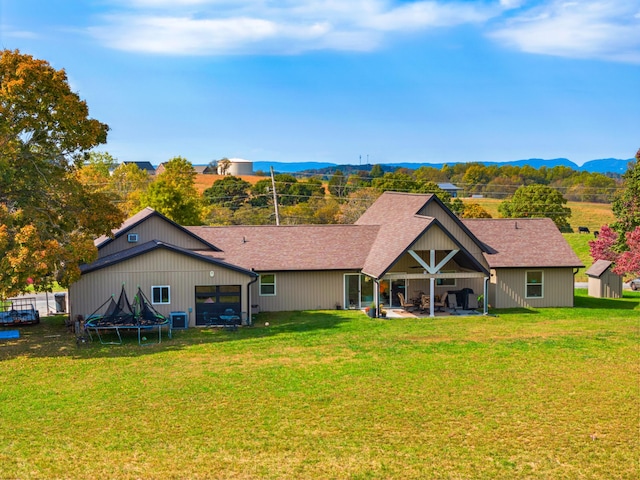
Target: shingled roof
{"type": "Point", "coordinates": [598, 268]}
{"type": "Point", "coordinates": [150, 246]}
{"type": "Point", "coordinates": [291, 247]}
{"type": "Point", "coordinates": [374, 243]}
{"type": "Point", "coordinates": [523, 242]}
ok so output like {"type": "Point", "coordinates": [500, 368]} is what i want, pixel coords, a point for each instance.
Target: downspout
{"type": "Point", "coordinates": [573, 297]}
{"type": "Point", "coordinates": [486, 296]}
{"type": "Point", "coordinates": [376, 296]}
{"type": "Point", "coordinates": [249, 317]}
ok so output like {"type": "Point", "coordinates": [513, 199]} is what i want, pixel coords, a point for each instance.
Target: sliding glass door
{"type": "Point", "coordinates": [358, 290]}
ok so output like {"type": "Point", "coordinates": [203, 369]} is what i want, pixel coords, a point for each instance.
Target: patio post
{"type": "Point", "coordinates": [432, 284]}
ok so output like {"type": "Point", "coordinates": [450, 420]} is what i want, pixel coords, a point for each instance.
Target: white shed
{"type": "Point", "coordinates": [602, 282]}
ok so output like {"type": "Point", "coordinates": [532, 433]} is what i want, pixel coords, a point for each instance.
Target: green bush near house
{"type": "Point", "coordinates": [548, 393]}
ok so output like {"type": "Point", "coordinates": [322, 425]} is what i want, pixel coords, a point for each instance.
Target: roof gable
{"type": "Point", "coordinates": [403, 220]}
{"type": "Point", "coordinates": [143, 216]}
{"type": "Point", "coordinates": [153, 245]}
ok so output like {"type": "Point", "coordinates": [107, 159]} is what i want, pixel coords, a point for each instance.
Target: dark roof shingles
{"type": "Point", "coordinates": [523, 242]}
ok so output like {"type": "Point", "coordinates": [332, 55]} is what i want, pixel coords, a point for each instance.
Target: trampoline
{"type": "Point", "coordinates": [138, 316]}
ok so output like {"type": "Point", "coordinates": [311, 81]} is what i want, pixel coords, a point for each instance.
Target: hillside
{"type": "Point", "coordinates": [605, 165]}
{"type": "Point", "coordinates": [204, 181]}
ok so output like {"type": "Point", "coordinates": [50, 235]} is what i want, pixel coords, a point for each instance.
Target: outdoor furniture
{"type": "Point", "coordinates": [440, 304]}
{"type": "Point", "coordinates": [425, 302]}
{"type": "Point", "coordinates": [404, 303]}
{"type": "Point", "coordinates": [473, 302]}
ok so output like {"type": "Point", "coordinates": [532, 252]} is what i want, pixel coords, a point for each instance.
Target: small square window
{"type": "Point", "coordinates": [268, 284]}
{"type": "Point", "coordinates": [132, 238]}
{"type": "Point", "coordinates": [160, 295]}
{"type": "Point", "coordinates": [534, 286]}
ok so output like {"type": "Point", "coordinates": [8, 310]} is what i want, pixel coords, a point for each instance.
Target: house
{"type": "Point", "coordinates": [404, 243]}
{"type": "Point", "coordinates": [143, 166]}
{"type": "Point", "coordinates": [602, 282]}
{"type": "Point", "coordinates": [199, 169]}
{"type": "Point", "coordinates": [450, 188]}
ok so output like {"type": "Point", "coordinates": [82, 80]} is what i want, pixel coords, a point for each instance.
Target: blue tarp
{"type": "Point", "coordinates": [7, 334]}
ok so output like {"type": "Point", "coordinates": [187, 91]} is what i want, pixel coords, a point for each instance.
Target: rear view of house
{"type": "Point", "coordinates": [403, 245]}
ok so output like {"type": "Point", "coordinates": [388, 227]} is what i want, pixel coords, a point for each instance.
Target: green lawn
{"type": "Point", "coordinates": [550, 393]}
{"type": "Point", "coordinates": [580, 245]}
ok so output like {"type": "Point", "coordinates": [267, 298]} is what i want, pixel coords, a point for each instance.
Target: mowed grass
{"type": "Point", "coordinates": [550, 393]}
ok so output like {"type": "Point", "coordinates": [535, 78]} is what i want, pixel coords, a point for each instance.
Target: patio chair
{"type": "Point", "coordinates": [473, 302]}
{"type": "Point", "coordinates": [425, 302]}
{"type": "Point", "coordinates": [404, 303]}
{"type": "Point", "coordinates": [441, 303]}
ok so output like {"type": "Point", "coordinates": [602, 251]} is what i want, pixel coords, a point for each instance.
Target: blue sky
{"type": "Point", "coordinates": [344, 81]}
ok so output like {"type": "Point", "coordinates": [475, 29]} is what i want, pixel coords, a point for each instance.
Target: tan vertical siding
{"type": "Point", "coordinates": [153, 228]}
{"type": "Point", "coordinates": [160, 267]}
{"type": "Point", "coordinates": [302, 291]}
{"type": "Point", "coordinates": [434, 239]}
{"type": "Point", "coordinates": [510, 288]}
{"type": "Point", "coordinates": [609, 285]}
{"type": "Point", "coordinates": [453, 227]}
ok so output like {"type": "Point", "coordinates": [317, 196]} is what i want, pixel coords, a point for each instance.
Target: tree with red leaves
{"type": "Point", "coordinates": [620, 243]}
{"type": "Point", "coordinates": [603, 248]}
{"type": "Point", "coordinates": [629, 261]}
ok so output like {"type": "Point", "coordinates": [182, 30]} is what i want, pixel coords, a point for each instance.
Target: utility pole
{"type": "Point", "coordinates": [275, 197]}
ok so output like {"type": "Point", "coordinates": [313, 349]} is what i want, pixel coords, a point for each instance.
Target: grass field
{"type": "Point", "coordinates": [550, 393]}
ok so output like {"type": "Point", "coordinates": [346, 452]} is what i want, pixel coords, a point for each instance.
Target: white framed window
{"type": "Point", "coordinates": [267, 284]}
{"type": "Point", "coordinates": [161, 295]}
{"type": "Point", "coordinates": [132, 238]}
{"type": "Point", "coordinates": [534, 284]}
{"type": "Point", "coordinates": [446, 282]}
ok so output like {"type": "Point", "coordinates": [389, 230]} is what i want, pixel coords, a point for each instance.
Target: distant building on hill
{"type": "Point", "coordinates": [235, 166]}
{"type": "Point", "coordinates": [450, 188]}
{"type": "Point", "coordinates": [143, 166]}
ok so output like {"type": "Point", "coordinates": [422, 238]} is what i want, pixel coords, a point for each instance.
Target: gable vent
{"type": "Point", "coordinates": [132, 238]}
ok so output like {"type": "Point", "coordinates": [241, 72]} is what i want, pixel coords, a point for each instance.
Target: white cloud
{"type": "Point", "coordinates": [213, 27]}
{"type": "Point", "coordinates": [606, 30]}
{"type": "Point", "coordinates": [509, 4]}
{"type": "Point", "coordinates": [9, 32]}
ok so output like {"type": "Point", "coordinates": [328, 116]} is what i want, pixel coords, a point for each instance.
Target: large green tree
{"type": "Point", "coordinates": [535, 201]}
{"type": "Point", "coordinates": [127, 184]}
{"type": "Point", "coordinates": [174, 194]}
{"type": "Point", "coordinates": [48, 217]}
{"type": "Point", "coordinates": [230, 191]}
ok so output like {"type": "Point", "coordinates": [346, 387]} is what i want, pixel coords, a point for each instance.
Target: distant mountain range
{"type": "Point", "coordinates": [604, 165]}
